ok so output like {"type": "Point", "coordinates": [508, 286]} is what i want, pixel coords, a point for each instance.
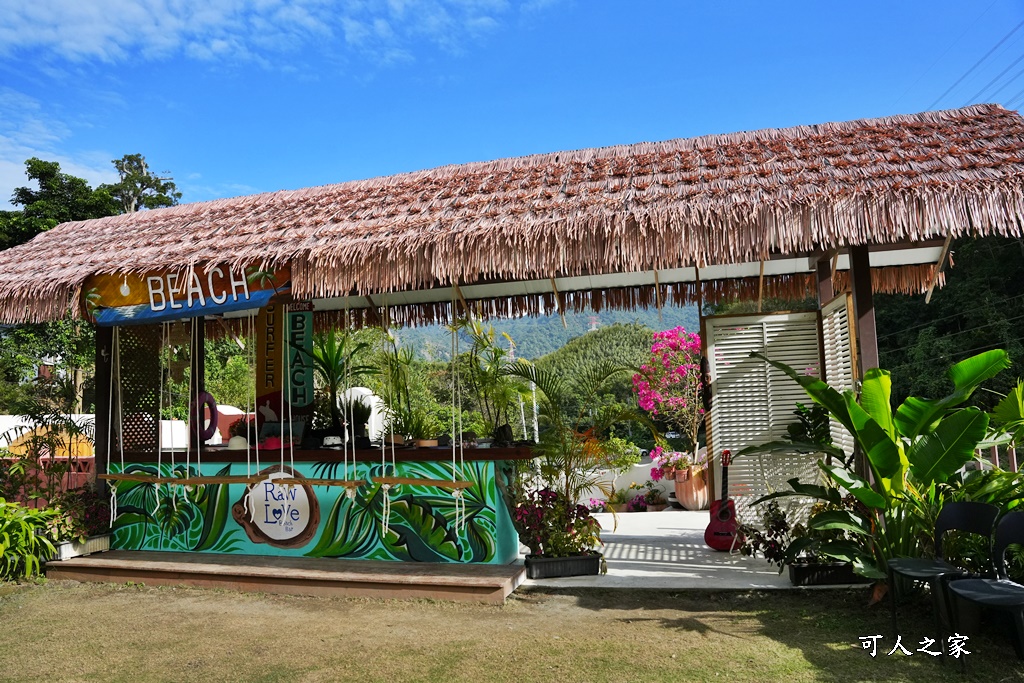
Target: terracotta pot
{"type": "Point", "coordinates": [656, 508]}
{"type": "Point", "coordinates": [692, 488]}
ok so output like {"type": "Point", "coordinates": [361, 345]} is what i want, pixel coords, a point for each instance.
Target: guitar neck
{"type": "Point", "coordinates": [725, 475]}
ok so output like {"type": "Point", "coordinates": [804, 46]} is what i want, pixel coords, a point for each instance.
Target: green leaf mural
{"type": "Point", "coordinates": [422, 522]}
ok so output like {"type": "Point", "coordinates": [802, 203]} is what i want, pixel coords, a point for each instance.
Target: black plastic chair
{"type": "Point", "coordinates": [974, 518]}
{"type": "Point", "coordinates": [999, 593]}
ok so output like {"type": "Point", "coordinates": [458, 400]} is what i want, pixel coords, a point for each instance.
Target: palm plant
{"type": "Point", "coordinates": [487, 364]}
{"type": "Point", "coordinates": [575, 442]}
{"type": "Point", "coordinates": [336, 362]}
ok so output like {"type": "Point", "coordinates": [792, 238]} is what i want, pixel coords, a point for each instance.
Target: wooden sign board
{"type": "Point", "coordinates": [139, 299]}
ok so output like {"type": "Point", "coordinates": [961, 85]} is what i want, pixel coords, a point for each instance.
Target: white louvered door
{"type": "Point", "coordinates": [838, 344]}
{"type": "Point", "coordinates": [752, 402]}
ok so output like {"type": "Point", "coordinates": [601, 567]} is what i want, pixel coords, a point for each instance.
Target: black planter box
{"type": "Point", "coordinates": [552, 567]}
{"type": "Point", "coordinates": [825, 574]}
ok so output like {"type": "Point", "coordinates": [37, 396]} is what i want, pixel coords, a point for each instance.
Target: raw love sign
{"type": "Point", "coordinates": [275, 512]}
{"type": "Point", "coordinates": [143, 298]}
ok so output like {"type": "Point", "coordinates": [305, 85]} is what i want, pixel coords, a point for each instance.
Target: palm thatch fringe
{"type": "Point", "coordinates": [719, 199]}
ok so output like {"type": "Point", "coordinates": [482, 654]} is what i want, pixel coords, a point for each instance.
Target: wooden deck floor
{"type": "Point", "coordinates": [297, 575]}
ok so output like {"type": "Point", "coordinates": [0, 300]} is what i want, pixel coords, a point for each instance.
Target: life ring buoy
{"type": "Point", "coordinates": [205, 400]}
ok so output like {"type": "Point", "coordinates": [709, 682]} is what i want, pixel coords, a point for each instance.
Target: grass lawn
{"type": "Point", "coordinates": [88, 632]}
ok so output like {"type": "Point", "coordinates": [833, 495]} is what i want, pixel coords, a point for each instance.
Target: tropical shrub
{"type": "Point", "coordinates": [669, 384]}
{"type": "Point", "coordinates": [81, 513]}
{"type": "Point", "coordinates": [913, 455]}
{"type": "Point", "coordinates": [24, 540]}
{"type": "Point", "coordinates": [551, 525]}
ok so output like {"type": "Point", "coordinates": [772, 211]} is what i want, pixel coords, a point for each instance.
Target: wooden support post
{"type": "Point", "coordinates": [104, 365]}
{"type": "Point", "coordinates": [198, 360]}
{"type": "Point", "coordinates": [1011, 451]}
{"type": "Point", "coordinates": [760, 287]}
{"type": "Point", "coordinates": [825, 290]}
{"type": "Point", "coordinates": [864, 308]}
{"type": "Point", "coordinates": [994, 454]}
{"type": "Point", "coordinates": [558, 300]}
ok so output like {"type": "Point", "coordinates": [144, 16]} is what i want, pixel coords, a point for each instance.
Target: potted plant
{"type": "Point", "coordinates": [654, 499]}
{"type": "Point", "coordinates": [81, 525]}
{"type": "Point", "coordinates": [791, 546]}
{"type": "Point", "coordinates": [619, 499]}
{"type": "Point", "coordinates": [562, 536]}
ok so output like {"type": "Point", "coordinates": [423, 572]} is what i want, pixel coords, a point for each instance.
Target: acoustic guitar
{"type": "Point", "coordinates": [721, 533]}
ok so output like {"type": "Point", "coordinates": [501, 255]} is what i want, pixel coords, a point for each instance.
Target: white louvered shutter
{"type": "Point", "coordinates": [752, 402]}
{"type": "Point", "coordinates": [840, 359]}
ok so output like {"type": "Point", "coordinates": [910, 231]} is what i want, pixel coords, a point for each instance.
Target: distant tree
{"type": "Point", "coordinates": [60, 198]}
{"type": "Point", "coordinates": [980, 308]}
{"type": "Point", "coordinates": [140, 188]}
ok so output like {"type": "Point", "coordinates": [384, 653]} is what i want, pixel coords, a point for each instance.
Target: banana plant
{"type": "Point", "coordinates": [911, 455]}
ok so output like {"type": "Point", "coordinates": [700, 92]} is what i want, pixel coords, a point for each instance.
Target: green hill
{"type": "Point", "coordinates": [536, 337]}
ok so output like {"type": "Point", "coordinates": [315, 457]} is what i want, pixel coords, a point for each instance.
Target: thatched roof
{"type": "Point", "coordinates": [714, 200]}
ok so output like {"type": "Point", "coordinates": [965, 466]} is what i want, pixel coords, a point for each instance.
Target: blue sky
{"type": "Point", "coordinates": [233, 97]}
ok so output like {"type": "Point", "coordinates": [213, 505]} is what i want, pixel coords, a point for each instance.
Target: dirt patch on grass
{"type": "Point", "coordinates": [87, 632]}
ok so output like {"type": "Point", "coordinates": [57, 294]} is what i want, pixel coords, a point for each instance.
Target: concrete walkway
{"type": "Point", "coordinates": [666, 550]}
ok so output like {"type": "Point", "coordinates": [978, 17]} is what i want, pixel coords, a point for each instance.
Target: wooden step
{"type": "Point", "coordinates": [487, 583]}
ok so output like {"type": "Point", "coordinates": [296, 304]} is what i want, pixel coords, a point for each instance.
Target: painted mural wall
{"type": "Point", "coordinates": [267, 518]}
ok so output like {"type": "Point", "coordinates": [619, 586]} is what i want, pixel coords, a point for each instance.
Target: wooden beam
{"type": "Point", "coordinates": [939, 265]}
{"type": "Point", "coordinates": [198, 361]}
{"type": "Point", "coordinates": [558, 300]}
{"type": "Point", "coordinates": [863, 305]}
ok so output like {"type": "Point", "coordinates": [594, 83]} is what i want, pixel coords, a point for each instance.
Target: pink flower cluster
{"type": "Point", "coordinates": [666, 463]}
{"type": "Point", "coordinates": [669, 384]}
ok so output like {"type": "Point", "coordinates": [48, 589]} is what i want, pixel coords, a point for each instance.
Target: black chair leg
{"type": "Point", "coordinates": [954, 603]}
{"type": "Point", "coordinates": [892, 603]}
{"type": "Point", "coordinates": [934, 586]}
{"type": "Point", "coordinates": [1018, 626]}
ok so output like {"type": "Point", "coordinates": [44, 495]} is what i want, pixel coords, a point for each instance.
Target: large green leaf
{"type": "Point", "coordinates": [856, 485]}
{"type": "Point", "coordinates": [881, 451]}
{"type": "Point", "coordinates": [421, 532]}
{"type": "Point", "coordinates": [839, 519]}
{"type": "Point", "coordinates": [969, 373]}
{"type": "Point", "coordinates": [919, 415]}
{"type": "Point", "coordinates": [351, 528]}
{"type": "Point", "coordinates": [820, 392]}
{"type": "Point", "coordinates": [937, 455]}
{"type": "Point", "coordinates": [875, 397]}
{"type": "Point", "coordinates": [1009, 413]}
{"type": "Point", "coordinates": [214, 508]}
{"type": "Point", "coordinates": [773, 447]}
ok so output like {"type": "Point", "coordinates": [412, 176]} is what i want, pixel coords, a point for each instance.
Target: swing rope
{"type": "Point", "coordinates": [457, 493]}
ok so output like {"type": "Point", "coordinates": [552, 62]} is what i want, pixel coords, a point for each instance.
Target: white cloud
{"type": "Point", "coordinates": [120, 30]}
{"type": "Point", "coordinates": [27, 130]}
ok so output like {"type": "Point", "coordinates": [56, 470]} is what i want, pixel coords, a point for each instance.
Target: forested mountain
{"type": "Point", "coordinates": [535, 337]}
{"type": "Point", "coordinates": [980, 308]}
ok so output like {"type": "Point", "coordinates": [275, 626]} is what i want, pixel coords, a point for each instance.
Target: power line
{"type": "Point", "coordinates": [1001, 88]}
{"type": "Point", "coordinates": [949, 47]}
{"type": "Point", "coordinates": [948, 317]}
{"type": "Point", "coordinates": [976, 65]}
{"type": "Point", "coordinates": [989, 84]}
{"type": "Point", "coordinates": [955, 334]}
